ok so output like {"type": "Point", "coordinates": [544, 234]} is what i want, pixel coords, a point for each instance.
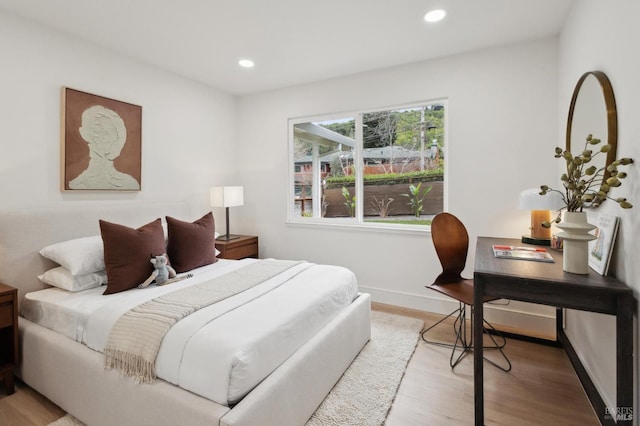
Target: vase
{"type": "Point", "coordinates": [575, 238]}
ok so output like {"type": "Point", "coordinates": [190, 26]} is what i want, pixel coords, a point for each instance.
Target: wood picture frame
{"type": "Point", "coordinates": [101, 143]}
{"type": "Point", "coordinates": [601, 249]}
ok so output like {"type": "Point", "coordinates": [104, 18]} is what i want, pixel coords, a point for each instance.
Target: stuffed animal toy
{"type": "Point", "coordinates": [163, 272]}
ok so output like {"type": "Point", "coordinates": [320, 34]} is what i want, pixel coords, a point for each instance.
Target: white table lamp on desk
{"type": "Point", "coordinates": [540, 207]}
{"type": "Point", "coordinates": [227, 196]}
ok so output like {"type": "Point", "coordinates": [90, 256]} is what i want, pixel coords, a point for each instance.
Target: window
{"type": "Point", "coordinates": [382, 166]}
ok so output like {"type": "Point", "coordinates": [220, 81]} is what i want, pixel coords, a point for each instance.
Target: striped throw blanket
{"type": "Point", "coordinates": [134, 340]}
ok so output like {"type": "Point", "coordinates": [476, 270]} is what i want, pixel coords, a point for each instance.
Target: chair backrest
{"type": "Point", "coordinates": [451, 241]}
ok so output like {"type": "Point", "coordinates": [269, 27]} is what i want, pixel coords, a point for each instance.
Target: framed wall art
{"type": "Point", "coordinates": [101, 143]}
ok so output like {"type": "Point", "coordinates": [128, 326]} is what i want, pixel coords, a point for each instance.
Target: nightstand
{"type": "Point", "coordinates": [238, 248]}
{"type": "Point", "coordinates": [8, 335]}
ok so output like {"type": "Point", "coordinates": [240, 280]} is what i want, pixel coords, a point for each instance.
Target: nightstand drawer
{"type": "Point", "coordinates": [240, 252]}
{"type": "Point", "coordinates": [240, 247]}
{"type": "Point", "coordinates": [6, 315]}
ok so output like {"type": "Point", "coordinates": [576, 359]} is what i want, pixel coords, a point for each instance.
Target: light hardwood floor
{"type": "Point", "coordinates": [541, 389]}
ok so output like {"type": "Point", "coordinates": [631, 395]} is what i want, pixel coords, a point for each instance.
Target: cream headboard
{"type": "Point", "coordinates": [24, 232]}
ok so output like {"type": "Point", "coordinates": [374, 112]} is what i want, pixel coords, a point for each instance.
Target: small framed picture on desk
{"type": "Point", "coordinates": [601, 248]}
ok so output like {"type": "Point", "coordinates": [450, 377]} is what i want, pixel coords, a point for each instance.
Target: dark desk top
{"type": "Point", "coordinates": [487, 264]}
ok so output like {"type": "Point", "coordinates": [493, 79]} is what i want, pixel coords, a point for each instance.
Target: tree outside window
{"type": "Point", "coordinates": [365, 167]}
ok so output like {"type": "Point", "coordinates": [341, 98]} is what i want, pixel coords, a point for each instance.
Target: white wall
{"type": "Point", "coordinates": [604, 36]}
{"type": "Point", "coordinates": [502, 130]}
{"type": "Point", "coordinates": [187, 128]}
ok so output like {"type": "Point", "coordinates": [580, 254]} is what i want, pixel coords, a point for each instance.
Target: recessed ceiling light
{"type": "Point", "coordinates": [246, 63]}
{"type": "Point", "coordinates": [435, 15]}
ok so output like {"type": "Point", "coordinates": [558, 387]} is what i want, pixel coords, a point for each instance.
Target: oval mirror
{"type": "Point", "coordinates": [593, 111]}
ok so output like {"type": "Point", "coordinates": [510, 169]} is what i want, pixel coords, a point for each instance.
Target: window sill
{"type": "Point", "coordinates": [419, 230]}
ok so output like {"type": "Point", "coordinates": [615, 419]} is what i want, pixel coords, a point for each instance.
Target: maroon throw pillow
{"type": "Point", "coordinates": [191, 244]}
{"type": "Point", "coordinates": [127, 253]}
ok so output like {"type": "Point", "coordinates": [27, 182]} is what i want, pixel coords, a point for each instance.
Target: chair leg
{"type": "Point", "coordinates": [457, 313]}
{"type": "Point", "coordinates": [497, 346]}
{"type": "Point", "coordinates": [504, 356]}
{"type": "Point", "coordinates": [488, 326]}
{"type": "Point", "coordinates": [461, 342]}
{"type": "Point", "coordinates": [461, 337]}
{"type": "Point", "coordinates": [464, 340]}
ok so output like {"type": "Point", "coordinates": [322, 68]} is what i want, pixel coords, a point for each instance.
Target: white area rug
{"type": "Point", "coordinates": [365, 392]}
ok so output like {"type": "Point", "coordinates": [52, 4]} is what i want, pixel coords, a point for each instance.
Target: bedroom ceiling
{"type": "Point", "coordinates": [291, 41]}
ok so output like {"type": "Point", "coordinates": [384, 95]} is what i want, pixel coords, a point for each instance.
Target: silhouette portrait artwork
{"type": "Point", "coordinates": [102, 146]}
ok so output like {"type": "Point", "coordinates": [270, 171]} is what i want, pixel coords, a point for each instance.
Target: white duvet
{"type": "Point", "coordinates": [220, 352]}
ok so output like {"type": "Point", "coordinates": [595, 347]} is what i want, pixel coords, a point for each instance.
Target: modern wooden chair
{"type": "Point", "coordinates": [451, 242]}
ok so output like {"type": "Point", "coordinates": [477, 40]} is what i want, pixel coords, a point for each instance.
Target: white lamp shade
{"type": "Point", "coordinates": [530, 199]}
{"type": "Point", "coordinates": [226, 196]}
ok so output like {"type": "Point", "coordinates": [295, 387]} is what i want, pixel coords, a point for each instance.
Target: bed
{"type": "Point", "coordinates": [58, 363]}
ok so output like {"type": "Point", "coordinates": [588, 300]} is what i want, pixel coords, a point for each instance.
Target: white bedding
{"type": "Point", "coordinates": [222, 360]}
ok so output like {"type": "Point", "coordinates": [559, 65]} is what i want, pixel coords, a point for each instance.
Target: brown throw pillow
{"type": "Point", "coordinates": [191, 244]}
{"type": "Point", "coordinates": [127, 253]}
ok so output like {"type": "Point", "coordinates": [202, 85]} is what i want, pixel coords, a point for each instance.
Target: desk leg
{"type": "Point", "coordinates": [478, 373]}
{"type": "Point", "coordinates": [624, 358]}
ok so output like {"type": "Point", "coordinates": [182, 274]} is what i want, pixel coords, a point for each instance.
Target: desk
{"type": "Point", "coordinates": [548, 284]}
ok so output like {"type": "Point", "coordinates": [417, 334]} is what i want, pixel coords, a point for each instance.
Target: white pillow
{"type": "Point", "coordinates": [80, 256]}
{"type": "Point", "coordinates": [60, 277]}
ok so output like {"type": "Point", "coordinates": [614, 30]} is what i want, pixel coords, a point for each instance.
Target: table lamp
{"type": "Point", "coordinates": [540, 207]}
{"type": "Point", "coordinates": [227, 196]}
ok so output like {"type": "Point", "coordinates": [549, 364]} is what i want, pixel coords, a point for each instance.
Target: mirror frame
{"type": "Point", "coordinates": [612, 115]}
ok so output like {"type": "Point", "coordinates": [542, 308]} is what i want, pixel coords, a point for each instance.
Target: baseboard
{"type": "Point", "coordinates": [518, 322]}
{"type": "Point", "coordinates": [597, 403]}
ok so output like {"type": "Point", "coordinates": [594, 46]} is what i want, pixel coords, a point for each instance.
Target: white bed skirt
{"type": "Point", "coordinates": [72, 376]}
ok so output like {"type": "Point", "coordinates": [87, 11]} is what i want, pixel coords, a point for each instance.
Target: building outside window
{"type": "Point", "coordinates": [377, 167]}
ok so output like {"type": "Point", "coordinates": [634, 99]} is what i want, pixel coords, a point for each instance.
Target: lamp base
{"type": "Point", "coordinates": [227, 237]}
{"type": "Point", "coordinates": [536, 241]}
